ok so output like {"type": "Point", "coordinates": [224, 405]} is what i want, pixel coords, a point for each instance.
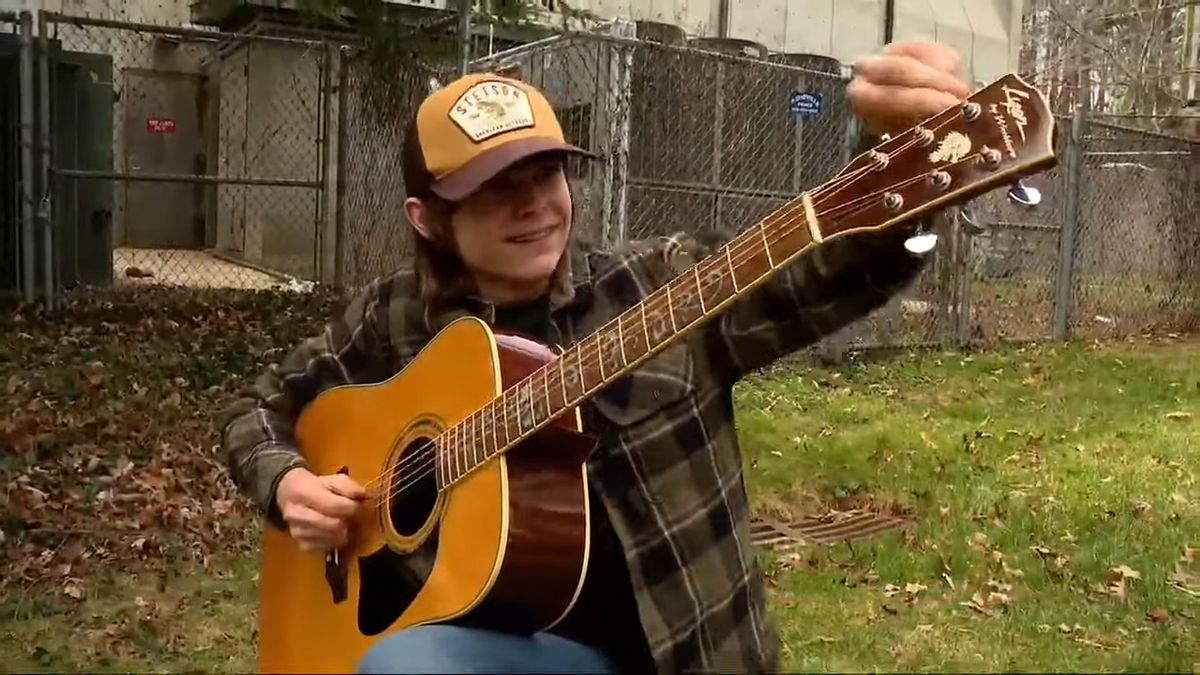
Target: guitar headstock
{"type": "Point", "coordinates": [1003, 132]}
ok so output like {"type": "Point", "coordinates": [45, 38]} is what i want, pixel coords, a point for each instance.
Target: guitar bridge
{"type": "Point", "coordinates": [335, 576]}
{"type": "Point", "coordinates": [335, 569]}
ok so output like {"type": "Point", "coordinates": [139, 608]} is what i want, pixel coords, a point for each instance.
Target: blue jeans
{"type": "Point", "coordinates": [454, 649]}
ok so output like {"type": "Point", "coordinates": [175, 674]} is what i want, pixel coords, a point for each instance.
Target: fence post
{"type": "Point", "coordinates": [618, 99]}
{"type": "Point", "coordinates": [464, 36]}
{"type": "Point", "coordinates": [28, 242]}
{"type": "Point", "coordinates": [1069, 232]}
{"type": "Point", "coordinates": [338, 174]}
{"type": "Point", "coordinates": [46, 204]}
{"type": "Point", "coordinates": [834, 347]}
{"type": "Point", "coordinates": [323, 266]}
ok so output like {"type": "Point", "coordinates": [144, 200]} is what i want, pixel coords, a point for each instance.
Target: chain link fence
{"type": "Point", "coordinates": [373, 235]}
{"type": "Point", "coordinates": [181, 155]}
{"type": "Point", "coordinates": [1137, 242]}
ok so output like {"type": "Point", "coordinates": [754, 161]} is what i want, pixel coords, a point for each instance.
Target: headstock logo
{"type": "Point", "coordinates": [1013, 106]}
{"type": "Point", "coordinates": [953, 147]}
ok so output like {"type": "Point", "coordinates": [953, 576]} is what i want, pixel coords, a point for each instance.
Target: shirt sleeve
{"type": "Point", "coordinates": [258, 429]}
{"type": "Point", "coordinates": [813, 296]}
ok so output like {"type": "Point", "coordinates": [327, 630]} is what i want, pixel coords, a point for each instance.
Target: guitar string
{"type": "Point", "coordinates": [819, 195]}
{"type": "Point", "coordinates": [655, 302]}
{"type": "Point", "coordinates": [455, 458]}
{"type": "Point", "coordinates": [424, 460]}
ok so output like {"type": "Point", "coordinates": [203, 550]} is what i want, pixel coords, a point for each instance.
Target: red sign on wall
{"type": "Point", "coordinates": [160, 125]}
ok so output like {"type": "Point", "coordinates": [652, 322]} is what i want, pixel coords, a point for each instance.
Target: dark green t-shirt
{"type": "Point", "coordinates": [605, 615]}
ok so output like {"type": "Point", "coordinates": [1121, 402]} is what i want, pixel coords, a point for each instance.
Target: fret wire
{"type": "Point", "coordinates": [600, 352]}
{"type": "Point", "coordinates": [449, 454]}
{"type": "Point", "coordinates": [474, 444]}
{"type": "Point", "coordinates": [504, 417]}
{"type": "Point", "coordinates": [453, 454]}
{"type": "Point", "coordinates": [516, 406]}
{"type": "Point", "coordinates": [621, 341]}
{"type": "Point", "coordinates": [671, 309]}
{"type": "Point", "coordinates": [732, 273]}
{"type": "Point", "coordinates": [462, 448]}
{"type": "Point", "coordinates": [546, 386]}
{"type": "Point", "coordinates": [562, 379]}
{"type": "Point", "coordinates": [440, 460]}
{"type": "Point", "coordinates": [582, 382]}
{"type": "Point", "coordinates": [532, 412]}
{"type": "Point", "coordinates": [699, 288]}
{"type": "Point", "coordinates": [645, 328]}
{"type": "Point", "coordinates": [495, 437]}
{"type": "Point", "coordinates": [766, 244]}
{"type": "Point", "coordinates": [468, 460]}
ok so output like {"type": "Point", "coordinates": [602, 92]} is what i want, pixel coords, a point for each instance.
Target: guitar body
{"type": "Point", "coordinates": [506, 547]}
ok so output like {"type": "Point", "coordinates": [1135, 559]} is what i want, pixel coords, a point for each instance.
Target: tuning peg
{"type": "Point", "coordinates": [1024, 194]}
{"type": "Point", "coordinates": [970, 224]}
{"type": "Point", "coordinates": [921, 243]}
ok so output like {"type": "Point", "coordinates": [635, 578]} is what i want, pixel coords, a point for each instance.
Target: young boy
{"type": "Point", "coordinates": [672, 584]}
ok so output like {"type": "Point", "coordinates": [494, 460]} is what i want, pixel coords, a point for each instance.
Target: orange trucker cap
{"type": "Point", "coordinates": [472, 129]}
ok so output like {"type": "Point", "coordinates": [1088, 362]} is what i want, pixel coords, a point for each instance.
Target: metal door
{"type": "Point", "coordinates": [10, 165]}
{"type": "Point", "coordinates": [163, 138]}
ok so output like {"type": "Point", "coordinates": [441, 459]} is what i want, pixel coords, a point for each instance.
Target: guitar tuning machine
{"type": "Point", "coordinates": [922, 242]}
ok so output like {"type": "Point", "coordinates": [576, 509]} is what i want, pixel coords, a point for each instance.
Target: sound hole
{"type": "Point", "coordinates": [413, 487]}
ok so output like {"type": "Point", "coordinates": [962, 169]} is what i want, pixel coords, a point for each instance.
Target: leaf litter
{"type": "Point", "coordinates": [109, 452]}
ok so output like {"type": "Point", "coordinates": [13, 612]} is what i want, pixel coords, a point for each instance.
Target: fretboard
{"type": "Point", "coordinates": [645, 329]}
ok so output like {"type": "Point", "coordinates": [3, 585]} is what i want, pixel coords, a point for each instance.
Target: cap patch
{"type": "Point", "coordinates": [491, 108]}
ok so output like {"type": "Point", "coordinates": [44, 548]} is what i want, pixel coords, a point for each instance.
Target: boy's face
{"type": "Point", "coordinates": [512, 231]}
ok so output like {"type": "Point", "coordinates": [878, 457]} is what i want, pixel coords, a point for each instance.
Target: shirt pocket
{"type": "Point", "coordinates": [661, 382]}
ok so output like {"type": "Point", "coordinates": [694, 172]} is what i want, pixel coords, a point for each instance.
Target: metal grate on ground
{"type": "Point", "coordinates": [834, 528]}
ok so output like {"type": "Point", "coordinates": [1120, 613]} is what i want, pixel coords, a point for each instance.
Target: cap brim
{"type": "Point", "coordinates": [467, 179]}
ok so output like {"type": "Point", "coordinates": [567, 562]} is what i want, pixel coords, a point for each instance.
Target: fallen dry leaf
{"type": "Point", "coordinates": [1055, 562]}
{"type": "Point", "coordinates": [979, 604]}
{"type": "Point", "coordinates": [1179, 416]}
{"type": "Point", "coordinates": [1117, 580]}
{"type": "Point", "coordinates": [1123, 572]}
{"type": "Point", "coordinates": [911, 591]}
{"type": "Point", "coordinates": [73, 589]}
{"type": "Point", "coordinates": [1157, 616]}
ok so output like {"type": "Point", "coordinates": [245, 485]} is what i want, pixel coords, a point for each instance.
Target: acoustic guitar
{"type": "Point", "coordinates": [473, 454]}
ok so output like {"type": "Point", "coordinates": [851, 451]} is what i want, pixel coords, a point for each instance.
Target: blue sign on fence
{"type": "Point", "coordinates": [805, 104]}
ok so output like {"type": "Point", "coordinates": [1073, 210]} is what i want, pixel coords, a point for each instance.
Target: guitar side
{"type": "Point", "coordinates": [506, 547]}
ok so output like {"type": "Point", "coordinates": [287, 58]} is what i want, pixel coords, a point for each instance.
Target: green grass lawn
{"type": "Point", "coordinates": [1052, 491]}
{"type": "Point", "coordinates": [1054, 495]}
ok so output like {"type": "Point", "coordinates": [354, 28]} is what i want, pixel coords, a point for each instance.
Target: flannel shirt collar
{"type": "Point", "coordinates": [574, 293]}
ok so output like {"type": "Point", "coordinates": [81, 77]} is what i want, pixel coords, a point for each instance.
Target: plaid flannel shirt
{"type": "Point", "coordinates": [670, 473]}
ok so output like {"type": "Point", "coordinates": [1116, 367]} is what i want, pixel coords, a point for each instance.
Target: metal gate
{"type": "Point", "coordinates": [207, 165]}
